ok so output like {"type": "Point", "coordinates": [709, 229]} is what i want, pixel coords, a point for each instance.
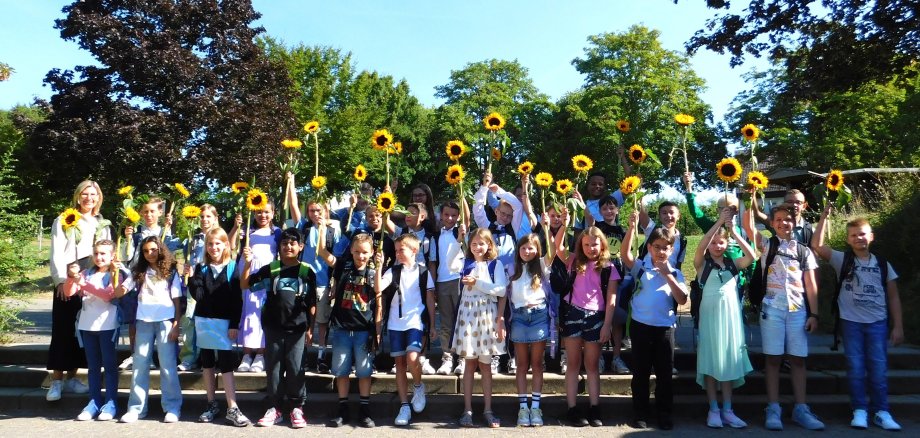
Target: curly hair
{"type": "Point", "coordinates": [164, 265]}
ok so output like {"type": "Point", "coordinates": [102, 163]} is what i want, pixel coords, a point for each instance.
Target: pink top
{"type": "Point", "coordinates": [586, 292]}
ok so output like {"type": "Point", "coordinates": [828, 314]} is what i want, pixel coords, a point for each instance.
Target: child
{"type": "Point", "coordinates": [98, 325]}
{"type": "Point", "coordinates": [417, 223]}
{"type": "Point", "coordinates": [652, 319]}
{"type": "Point", "coordinates": [867, 295]}
{"type": "Point", "coordinates": [479, 333]}
{"type": "Point", "coordinates": [587, 315]}
{"type": "Point", "coordinates": [790, 291]}
{"type": "Point", "coordinates": [722, 354]}
{"type": "Point", "coordinates": [158, 312]}
{"type": "Point", "coordinates": [410, 313]}
{"type": "Point", "coordinates": [216, 289]}
{"type": "Point", "coordinates": [380, 232]}
{"type": "Point", "coordinates": [446, 272]}
{"type": "Point", "coordinates": [356, 323]}
{"type": "Point", "coordinates": [532, 322]}
{"type": "Point", "coordinates": [289, 287]}
{"type": "Point", "coordinates": [188, 355]}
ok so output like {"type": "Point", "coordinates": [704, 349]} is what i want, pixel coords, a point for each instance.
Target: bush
{"type": "Point", "coordinates": [15, 259]}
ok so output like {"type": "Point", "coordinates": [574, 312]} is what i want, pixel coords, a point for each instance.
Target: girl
{"type": "Point", "coordinates": [98, 325]}
{"type": "Point", "coordinates": [532, 321]}
{"type": "Point", "coordinates": [188, 356]}
{"type": "Point", "coordinates": [159, 289]}
{"type": "Point", "coordinates": [587, 314]}
{"type": "Point", "coordinates": [722, 353]}
{"type": "Point", "coordinates": [64, 352]}
{"type": "Point", "coordinates": [479, 332]}
{"type": "Point", "coordinates": [263, 241]}
{"type": "Point", "coordinates": [216, 291]}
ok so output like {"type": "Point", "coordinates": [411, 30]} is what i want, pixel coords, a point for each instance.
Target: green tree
{"type": "Point", "coordinates": [18, 232]}
{"type": "Point", "coordinates": [16, 124]}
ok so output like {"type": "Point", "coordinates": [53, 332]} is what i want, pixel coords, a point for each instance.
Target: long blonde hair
{"type": "Point", "coordinates": [603, 257]}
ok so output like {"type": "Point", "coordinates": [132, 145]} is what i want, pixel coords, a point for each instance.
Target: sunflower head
{"type": "Point", "coordinates": [543, 179]}
{"type": "Point", "coordinates": [126, 190]}
{"type": "Point", "coordinates": [729, 170]}
{"type": "Point", "coordinates": [386, 202]}
{"type": "Point", "coordinates": [834, 180]}
{"type": "Point", "coordinates": [360, 173]}
{"type": "Point", "coordinates": [455, 150]}
{"type": "Point", "coordinates": [191, 212]}
{"type": "Point", "coordinates": [181, 190]}
{"type": "Point", "coordinates": [630, 184]}
{"type": "Point", "coordinates": [637, 154]}
{"type": "Point", "coordinates": [496, 154]}
{"type": "Point", "coordinates": [395, 148]}
{"type": "Point", "coordinates": [525, 168]}
{"type": "Point", "coordinates": [132, 215]}
{"type": "Point", "coordinates": [750, 132]}
{"type": "Point", "coordinates": [494, 121]}
{"type": "Point", "coordinates": [581, 163]}
{"type": "Point", "coordinates": [239, 186]}
{"type": "Point", "coordinates": [70, 218]}
{"type": "Point", "coordinates": [623, 125]}
{"type": "Point", "coordinates": [318, 182]}
{"type": "Point", "coordinates": [291, 144]}
{"type": "Point", "coordinates": [256, 200]}
{"type": "Point", "coordinates": [311, 127]}
{"type": "Point", "coordinates": [454, 174]}
{"type": "Point", "coordinates": [758, 180]}
{"type": "Point", "coordinates": [684, 119]}
{"type": "Point", "coordinates": [564, 186]}
{"type": "Point", "coordinates": [381, 139]}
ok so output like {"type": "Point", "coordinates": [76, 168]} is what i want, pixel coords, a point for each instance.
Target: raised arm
{"type": "Point", "coordinates": [626, 254]}
{"type": "Point", "coordinates": [527, 205]}
{"type": "Point", "coordinates": [321, 250]}
{"type": "Point", "coordinates": [479, 202]}
{"type": "Point", "coordinates": [750, 229]}
{"type": "Point", "coordinates": [292, 199]}
{"type": "Point", "coordinates": [749, 254]}
{"type": "Point", "coordinates": [561, 251]}
{"type": "Point", "coordinates": [700, 256]}
{"type": "Point", "coordinates": [644, 218]}
{"type": "Point", "coordinates": [817, 240]}
{"type": "Point", "coordinates": [698, 215]}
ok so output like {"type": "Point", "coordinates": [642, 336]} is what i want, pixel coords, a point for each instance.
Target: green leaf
{"type": "Point", "coordinates": [844, 196]}
{"type": "Point", "coordinates": [652, 156]}
{"type": "Point", "coordinates": [820, 193]}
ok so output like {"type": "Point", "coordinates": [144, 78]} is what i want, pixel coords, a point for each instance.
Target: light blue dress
{"type": "Point", "coordinates": [722, 351]}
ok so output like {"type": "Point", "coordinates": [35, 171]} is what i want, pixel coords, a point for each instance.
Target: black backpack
{"type": "Point", "coordinates": [393, 290]}
{"type": "Point", "coordinates": [643, 249]}
{"type": "Point", "coordinates": [757, 288]}
{"type": "Point", "coordinates": [562, 282]}
{"type": "Point", "coordinates": [846, 269]}
{"type": "Point", "coordinates": [696, 286]}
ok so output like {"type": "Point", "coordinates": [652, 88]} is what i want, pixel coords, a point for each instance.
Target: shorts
{"type": "Point", "coordinates": [350, 348]}
{"type": "Point", "coordinates": [323, 304]}
{"type": "Point", "coordinates": [405, 341]}
{"type": "Point", "coordinates": [582, 323]}
{"type": "Point", "coordinates": [783, 332]}
{"type": "Point", "coordinates": [225, 361]}
{"type": "Point", "coordinates": [530, 324]}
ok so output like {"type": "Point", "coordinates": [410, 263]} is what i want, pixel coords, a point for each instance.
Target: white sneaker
{"type": "Point", "coordinates": [393, 370]}
{"type": "Point", "coordinates": [447, 365]}
{"type": "Point", "coordinates": [883, 419]}
{"type": "Point", "coordinates": [245, 364]}
{"type": "Point", "coordinates": [75, 386]}
{"type": "Point", "coordinates": [405, 414]}
{"type": "Point", "coordinates": [493, 365]}
{"type": "Point", "coordinates": [563, 362]}
{"type": "Point", "coordinates": [714, 419]}
{"type": "Point", "coordinates": [186, 366]}
{"type": "Point", "coordinates": [860, 419]}
{"type": "Point", "coordinates": [89, 412]}
{"type": "Point", "coordinates": [461, 366]}
{"type": "Point", "coordinates": [627, 344]}
{"type": "Point", "coordinates": [418, 398]}
{"type": "Point", "coordinates": [129, 417]}
{"type": "Point", "coordinates": [54, 392]}
{"type": "Point", "coordinates": [731, 420]}
{"type": "Point", "coordinates": [127, 364]}
{"type": "Point", "coordinates": [523, 417]}
{"type": "Point", "coordinates": [512, 366]}
{"type": "Point", "coordinates": [258, 364]}
{"type": "Point", "coordinates": [427, 369]}
{"type": "Point", "coordinates": [171, 418]}
{"type": "Point", "coordinates": [619, 366]}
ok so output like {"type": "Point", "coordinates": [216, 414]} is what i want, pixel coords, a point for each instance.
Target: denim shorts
{"type": "Point", "coordinates": [405, 341]}
{"type": "Point", "coordinates": [530, 324]}
{"type": "Point", "coordinates": [350, 348]}
{"type": "Point", "coordinates": [783, 332]}
{"type": "Point", "coordinates": [582, 323]}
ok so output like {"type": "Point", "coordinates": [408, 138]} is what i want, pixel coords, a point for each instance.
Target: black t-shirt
{"type": "Point", "coordinates": [355, 303]}
{"type": "Point", "coordinates": [287, 304]}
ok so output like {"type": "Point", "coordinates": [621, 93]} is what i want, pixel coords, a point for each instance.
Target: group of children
{"type": "Point", "coordinates": [514, 284]}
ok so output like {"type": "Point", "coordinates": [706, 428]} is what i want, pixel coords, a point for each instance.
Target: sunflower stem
{"type": "Point", "coordinates": [316, 154]}
{"type": "Point", "coordinates": [172, 206]}
{"type": "Point", "coordinates": [248, 221]}
{"type": "Point", "coordinates": [683, 148]}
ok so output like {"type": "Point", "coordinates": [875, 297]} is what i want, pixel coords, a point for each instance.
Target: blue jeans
{"type": "Point", "coordinates": [100, 352]}
{"type": "Point", "coordinates": [866, 348]}
{"type": "Point", "coordinates": [350, 348]}
{"type": "Point", "coordinates": [148, 333]}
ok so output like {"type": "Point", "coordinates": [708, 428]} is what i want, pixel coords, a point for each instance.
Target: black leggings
{"type": "Point", "coordinates": [226, 361]}
{"type": "Point", "coordinates": [651, 347]}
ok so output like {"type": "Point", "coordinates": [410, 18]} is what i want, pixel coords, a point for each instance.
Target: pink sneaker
{"type": "Point", "coordinates": [297, 420]}
{"type": "Point", "coordinates": [272, 417]}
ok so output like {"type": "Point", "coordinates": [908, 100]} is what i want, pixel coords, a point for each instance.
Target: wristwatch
{"type": "Point", "coordinates": [812, 315]}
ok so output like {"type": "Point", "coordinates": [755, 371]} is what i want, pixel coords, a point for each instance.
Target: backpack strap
{"type": "Point", "coordinates": [681, 253]}
{"type": "Point", "coordinates": [849, 260]}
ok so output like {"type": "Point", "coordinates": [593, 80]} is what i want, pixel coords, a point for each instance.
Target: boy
{"type": "Point", "coordinates": [416, 216]}
{"type": "Point", "coordinates": [652, 320]}
{"type": "Point", "coordinates": [410, 308]}
{"type": "Point", "coordinates": [375, 227]}
{"type": "Point", "coordinates": [802, 230]}
{"type": "Point", "coordinates": [286, 313]}
{"type": "Point", "coordinates": [356, 319]}
{"type": "Point", "coordinates": [785, 321]}
{"type": "Point", "coordinates": [446, 273]}
{"type": "Point", "coordinates": [867, 295]}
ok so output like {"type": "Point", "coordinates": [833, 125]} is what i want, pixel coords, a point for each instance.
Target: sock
{"type": "Point", "coordinates": [713, 405]}
{"type": "Point", "coordinates": [343, 406]}
{"type": "Point", "coordinates": [727, 405]}
{"type": "Point", "coordinates": [535, 404]}
{"type": "Point", "coordinates": [343, 400]}
{"type": "Point", "coordinates": [321, 353]}
{"type": "Point", "coordinates": [522, 399]}
{"type": "Point", "coordinates": [365, 404]}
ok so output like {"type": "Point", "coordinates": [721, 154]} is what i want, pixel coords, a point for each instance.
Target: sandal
{"type": "Point", "coordinates": [466, 420]}
{"type": "Point", "coordinates": [491, 420]}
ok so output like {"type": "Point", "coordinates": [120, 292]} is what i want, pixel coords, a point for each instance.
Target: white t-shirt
{"type": "Point", "coordinates": [412, 304]}
{"type": "Point", "coordinates": [785, 277]}
{"type": "Point", "coordinates": [862, 297]}
{"type": "Point", "coordinates": [154, 302]}
{"type": "Point", "coordinates": [522, 294]}
{"type": "Point", "coordinates": [97, 314]}
{"type": "Point", "coordinates": [450, 257]}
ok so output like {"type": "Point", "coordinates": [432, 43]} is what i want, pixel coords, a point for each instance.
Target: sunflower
{"type": "Point", "coordinates": [623, 125]}
{"type": "Point", "coordinates": [684, 119]}
{"type": "Point", "coordinates": [525, 168]}
{"type": "Point", "coordinates": [70, 218]}
{"type": "Point", "coordinates": [543, 179]}
{"type": "Point", "coordinates": [191, 212]}
{"type": "Point", "coordinates": [564, 186]}
{"type": "Point", "coordinates": [311, 127]}
{"type": "Point", "coordinates": [454, 174]}
{"type": "Point", "coordinates": [729, 170]}
{"type": "Point", "coordinates": [183, 192]}
{"type": "Point", "coordinates": [360, 172]}
{"type": "Point", "coordinates": [750, 132]}
{"type": "Point", "coordinates": [637, 154]}
{"type": "Point", "coordinates": [834, 180]}
{"type": "Point", "coordinates": [455, 149]}
{"type": "Point", "coordinates": [318, 182]}
{"type": "Point", "coordinates": [581, 163]}
{"type": "Point", "coordinates": [239, 186]}
{"type": "Point", "coordinates": [126, 190]}
{"type": "Point", "coordinates": [256, 200]}
{"type": "Point", "coordinates": [758, 180]}
{"type": "Point", "coordinates": [291, 144]}
{"type": "Point", "coordinates": [132, 215]}
{"type": "Point", "coordinates": [396, 148]}
{"type": "Point", "coordinates": [496, 154]}
{"type": "Point", "coordinates": [386, 202]}
{"type": "Point", "coordinates": [630, 184]}
{"type": "Point", "coordinates": [494, 122]}
{"type": "Point", "coordinates": [381, 139]}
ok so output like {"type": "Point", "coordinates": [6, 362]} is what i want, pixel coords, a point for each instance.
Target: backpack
{"type": "Point", "coordinates": [562, 281]}
{"type": "Point", "coordinates": [330, 235]}
{"type": "Point", "coordinates": [696, 286]}
{"type": "Point", "coordinates": [435, 239]}
{"type": "Point", "coordinates": [393, 289]}
{"type": "Point", "coordinates": [846, 268]}
{"type": "Point", "coordinates": [681, 253]}
{"type": "Point", "coordinates": [230, 269]}
{"type": "Point", "coordinates": [757, 288]}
